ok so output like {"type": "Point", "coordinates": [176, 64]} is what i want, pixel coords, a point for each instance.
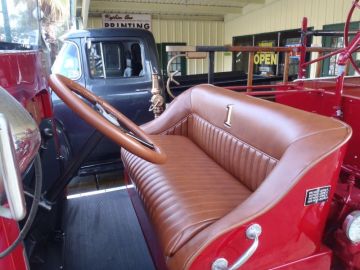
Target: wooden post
{"type": "Point", "coordinates": [318, 66]}
{"type": "Point", "coordinates": [250, 71]}
{"type": "Point", "coordinates": [211, 67]}
{"type": "Point", "coordinates": [302, 48]}
{"type": "Point", "coordinates": [286, 67]}
{"type": "Point", "coordinates": [347, 68]}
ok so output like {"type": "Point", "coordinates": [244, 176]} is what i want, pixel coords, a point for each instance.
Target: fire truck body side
{"type": "Point", "coordinates": [24, 75]}
{"type": "Point", "coordinates": [347, 194]}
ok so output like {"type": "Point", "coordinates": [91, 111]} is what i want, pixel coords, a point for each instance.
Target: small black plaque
{"type": "Point", "coordinates": [317, 195]}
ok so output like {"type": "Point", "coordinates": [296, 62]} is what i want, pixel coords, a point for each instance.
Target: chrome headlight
{"type": "Point", "coordinates": [24, 130]}
{"type": "Point", "coordinates": [351, 226]}
{"type": "Point", "coordinates": [19, 143]}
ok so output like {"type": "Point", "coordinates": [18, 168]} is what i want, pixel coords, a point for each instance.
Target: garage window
{"type": "Point", "coordinates": [115, 59]}
{"type": "Point", "coordinates": [269, 63]}
{"type": "Point", "coordinates": [329, 65]}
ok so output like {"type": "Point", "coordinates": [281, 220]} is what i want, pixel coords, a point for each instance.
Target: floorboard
{"type": "Point", "coordinates": [102, 233]}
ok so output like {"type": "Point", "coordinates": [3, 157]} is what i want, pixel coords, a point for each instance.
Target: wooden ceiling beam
{"type": "Point", "coordinates": [85, 12]}
{"type": "Point", "coordinates": [161, 8]}
{"type": "Point", "coordinates": [240, 3]}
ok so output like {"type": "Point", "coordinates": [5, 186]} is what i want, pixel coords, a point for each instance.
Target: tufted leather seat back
{"type": "Point", "coordinates": [244, 161]}
{"type": "Point", "coordinates": [259, 134]}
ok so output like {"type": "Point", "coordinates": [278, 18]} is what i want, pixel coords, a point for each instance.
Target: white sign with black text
{"type": "Point", "coordinates": [111, 20]}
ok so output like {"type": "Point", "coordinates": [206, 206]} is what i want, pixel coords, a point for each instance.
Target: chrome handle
{"type": "Point", "coordinates": [253, 232]}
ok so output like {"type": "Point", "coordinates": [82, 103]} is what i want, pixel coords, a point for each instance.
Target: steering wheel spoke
{"type": "Point", "coordinates": [108, 116]}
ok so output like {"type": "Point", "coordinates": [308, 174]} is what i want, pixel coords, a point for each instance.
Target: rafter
{"type": "Point", "coordinates": [231, 2]}
{"type": "Point", "coordinates": [85, 11]}
{"type": "Point", "coordinates": [161, 8]}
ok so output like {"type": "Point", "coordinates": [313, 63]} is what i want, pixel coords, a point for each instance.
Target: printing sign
{"type": "Point", "coordinates": [111, 20]}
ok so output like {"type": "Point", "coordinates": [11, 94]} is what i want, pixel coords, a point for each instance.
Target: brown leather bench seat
{"type": "Point", "coordinates": [218, 177]}
{"type": "Point", "coordinates": [187, 193]}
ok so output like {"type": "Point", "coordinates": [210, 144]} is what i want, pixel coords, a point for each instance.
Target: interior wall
{"type": "Point", "coordinates": [278, 15]}
{"type": "Point", "coordinates": [191, 32]}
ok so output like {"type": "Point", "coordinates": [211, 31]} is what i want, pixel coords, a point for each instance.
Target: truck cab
{"type": "Point", "coordinates": [114, 64]}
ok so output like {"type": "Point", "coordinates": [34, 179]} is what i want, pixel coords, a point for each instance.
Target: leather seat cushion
{"type": "Point", "coordinates": [198, 193]}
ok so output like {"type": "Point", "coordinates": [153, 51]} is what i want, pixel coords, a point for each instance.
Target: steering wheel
{"type": "Point", "coordinates": [346, 32]}
{"type": "Point", "coordinates": [106, 119]}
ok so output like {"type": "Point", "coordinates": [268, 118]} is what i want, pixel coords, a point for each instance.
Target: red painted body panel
{"type": "Point", "coordinates": [351, 114]}
{"type": "Point", "coordinates": [323, 103]}
{"type": "Point", "coordinates": [9, 231]}
{"type": "Point", "coordinates": [292, 232]}
{"type": "Point", "coordinates": [347, 197]}
{"type": "Point", "coordinates": [24, 75]}
{"type": "Point", "coordinates": [321, 260]}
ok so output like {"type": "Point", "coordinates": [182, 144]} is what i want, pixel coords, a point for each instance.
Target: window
{"type": "Point", "coordinates": [179, 64]}
{"type": "Point", "coordinates": [294, 57]}
{"type": "Point", "coordinates": [115, 59]}
{"type": "Point", "coordinates": [240, 59]}
{"type": "Point", "coordinates": [175, 64]}
{"type": "Point", "coordinates": [67, 63]}
{"type": "Point", "coordinates": [268, 63]}
{"type": "Point", "coordinates": [329, 67]}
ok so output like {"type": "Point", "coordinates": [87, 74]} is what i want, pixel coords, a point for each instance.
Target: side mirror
{"type": "Point", "coordinates": [10, 178]}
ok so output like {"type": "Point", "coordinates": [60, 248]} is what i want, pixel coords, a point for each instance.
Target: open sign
{"type": "Point", "coordinates": [265, 58]}
{"type": "Point", "coordinates": [269, 58]}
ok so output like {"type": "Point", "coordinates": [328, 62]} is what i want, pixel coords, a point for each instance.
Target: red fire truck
{"type": "Point", "coordinates": [220, 180]}
{"type": "Point", "coordinates": [24, 70]}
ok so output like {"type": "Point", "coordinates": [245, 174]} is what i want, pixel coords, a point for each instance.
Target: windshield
{"type": "Point", "coordinates": [19, 23]}
{"type": "Point", "coordinates": [68, 61]}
